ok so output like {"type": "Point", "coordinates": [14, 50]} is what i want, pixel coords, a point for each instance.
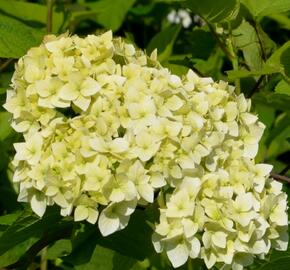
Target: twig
{"type": "Point", "coordinates": [49, 4]}
{"type": "Point", "coordinates": [263, 51]}
{"type": "Point", "coordinates": [285, 170]}
{"type": "Point", "coordinates": [5, 64]}
{"type": "Point", "coordinates": [229, 51]}
{"type": "Point", "coordinates": [43, 260]}
{"type": "Point", "coordinates": [220, 43]}
{"type": "Point", "coordinates": [189, 265]}
{"type": "Point", "coordinates": [256, 86]}
{"type": "Point", "coordinates": [281, 178]}
{"type": "Point", "coordinates": [235, 59]}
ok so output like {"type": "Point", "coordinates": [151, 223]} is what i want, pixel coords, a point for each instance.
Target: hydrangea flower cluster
{"type": "Point", "coordinates": [106, 128]}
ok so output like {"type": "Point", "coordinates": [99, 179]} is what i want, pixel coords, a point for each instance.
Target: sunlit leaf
{"type": "Point", "coordinates": [16, 37]}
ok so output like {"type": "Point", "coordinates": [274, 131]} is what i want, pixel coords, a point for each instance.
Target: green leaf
{"type": "Point", "coordinates": [169, 1]}
{"type": "Point", "coordinates": [9, 219]}
{"type": "Point", "coordinates": [5, 127]}
{"type": "Point", "coordinates": [16, 37]}
{"type": "Point", "coordinates": [176, 69]}
{"type": "Point", "coordinates": [277, 259]}
{"type": "Point", "coordinates": [214, 11]}
{"type": "Point", "coordinates": [277, 63]}
{"type": "Point", "coordinates": [32, 13]}
{"type": "Point", "coordinates": [119, 251]}
{"type": "Point", "coordinates": [246, 40]}
{"type": "Point", "coordinates": [134, 241]}
{"type": "Point", "coordinates": [199, 43]}
{"type": "Point", "coordinates": [281, 19]}
{"type": "Point", "coordinates": [60, 248]}
{"type": "Point", "coordinates": [8, 198]}
{"type": "Point", "coordinates": [281, 264]}
{"type": "Point", "coordinates": [275, 60]}
{"type": "Point", "coordinates": [277, 101]}
{"type": "Point", "coordinates": [267, 116]}
{"type": "Point", "coordinates": [265, 70]}
{"type": "Point", "coordinates": [14, 253]}
{"type": "Point", "coordinates": [141, 10]}
{"type": "Point", "coordinates": [29, 230]}
{"type": "Point", "coordinates": [260, 8]}
{"type": "Point", "coordinates": [93, 256]}
{"type": "Point", "coordinates": [164, 42]}
{"type": "Point", "coordinates": [285, 61]}
{"type": "Point", "coordinates": [281, 124]}
{"type": "Point", "coordinates": [212, 66]}
{"type": "Point", "coordinates": [283, 88]}
{"type": "Point", "coordinates": [28, 225]}
{"type": "Point", "coordinates": [2, 90]}
{"type": "Point", "coordinates": [111, 15]}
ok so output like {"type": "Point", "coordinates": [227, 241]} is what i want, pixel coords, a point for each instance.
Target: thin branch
{"type": "Point", "coordinates": [189, 265]}
{"type": "Point", "coordinates": [257, 85]}
{"type": "Point", "coordinates": [43, 259]}
{"type": "Point", "coordinates": [5, 64]}
{"type": "Point", "coordinates": [263, 51]}
{"type": "Point", "coordinates": [285, 170]}
{"type": "Point", "coordinates": [235, 59]}
{"type": "Point", "coordinates": [49, 4]}
{"type": "Point", "coordinates": [220, 43]}
{"type": "Point", "coordinates": [280, 178]}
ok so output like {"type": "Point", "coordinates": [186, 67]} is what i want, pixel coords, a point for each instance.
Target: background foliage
{"type": "Point", "coordinates": [244, 42]}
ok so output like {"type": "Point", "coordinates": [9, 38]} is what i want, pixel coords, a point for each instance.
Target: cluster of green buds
{"type": "Point", "coordinates": [107, 128]}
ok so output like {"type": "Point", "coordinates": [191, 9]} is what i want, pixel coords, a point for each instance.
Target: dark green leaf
{"type": "Point", "coordinates": [120, 250]}
{"type": "Point", "coordinates": [212, 66]}
{"type": "Point", "coordinates": [200, 43]}
{"type": "Point", "coordinates": [134, 241]}
{"type": "Point", "coordinates": [164, 42]}
{"type": "Point", "coordinates": [5, 125]}
{"type": "Point", "coordinates": [111, 15]}
{"type": "Point", "coordinates": [214, 11]}
{"type": "Point", "coordinates": [30, 233]}
{"type": "Point", "coordinates": [277, 101]}
{"type": "Point", "coordinates": [285, 61]}
{"type": "Point", "coordinates": [60, 248]}
{"type": "Point", "coordinates": [283, 123]}
{"type": "Point", "coordinates": [176, 69]}
{"type": "Point", "coordinates": [282, 19]}
{"type": "Point", "coordinates": [100, 258]}
{"type": "Point", "coordinates": [277, 259]}
{"type": "Point", "coordinates": [16, 37]}
{"type": "Point", "coordinates": [282, 264]}
{"type": "Point", "coordinates": [13, 254]}
{"type": "Point", "coordinates": [9, 219]}
{"type": "Point", "coordinates": [279, 144]}
{"type": "Point", "coordinates": [28, 225]}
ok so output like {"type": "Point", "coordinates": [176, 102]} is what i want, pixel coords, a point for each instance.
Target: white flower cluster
{"type": "Point", "coordinates": [105, 127]}
{"type": "Point", "coordinates": [180, 16]}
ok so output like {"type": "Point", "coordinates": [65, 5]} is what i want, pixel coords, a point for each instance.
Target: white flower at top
{"type": "Point", "coordinates": [180, 16]}
{"type": "Point", "coordinates": [106, 128]}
